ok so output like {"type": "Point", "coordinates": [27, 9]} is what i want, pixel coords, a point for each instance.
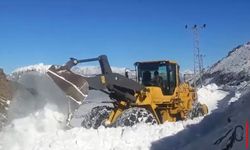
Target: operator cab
{"type": "Point", "coordinates": [163, 74]}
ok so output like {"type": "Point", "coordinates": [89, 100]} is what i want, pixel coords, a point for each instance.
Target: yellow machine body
{"type": "Point", "coordinates": [171, 107]}
{"type": "Point", "coordinates": [157, 90]}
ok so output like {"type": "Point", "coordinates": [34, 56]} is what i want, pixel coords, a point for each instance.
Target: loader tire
{"type": "Point", "coordinates": [198, 110]}
{"type": "Point", "coordinates": [96, 117]}
{"type": "Point", "coordinates": [135, 115]}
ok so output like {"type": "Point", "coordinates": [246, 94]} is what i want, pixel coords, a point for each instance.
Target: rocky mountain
{"type": "Point", "coordinates": [5, 97]}
{"type": "Point", "coordinates": [232, 69]}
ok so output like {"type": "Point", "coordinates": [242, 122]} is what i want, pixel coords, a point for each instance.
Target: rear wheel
{"type": "Point", "coordinates": [135, 115]}
{"type": "Point", "coordinates": [96, 117]}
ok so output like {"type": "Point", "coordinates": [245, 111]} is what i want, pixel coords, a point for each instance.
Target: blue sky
{"type": "Point", "coordinates": [51, 31]}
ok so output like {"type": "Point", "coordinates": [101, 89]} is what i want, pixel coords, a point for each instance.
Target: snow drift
{"type": "Point", "coordinates": [43, 128]}
{"type": "Point", "coordinates": [210, 94]}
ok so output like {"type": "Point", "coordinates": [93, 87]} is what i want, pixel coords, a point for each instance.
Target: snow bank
{"type": "Point", "coordinates": [43, 130]}
{"type": "Point", "coordinates": [221, 130]}
{"type": "Point", "coordinates": [211, 95]}
{"type": "Point", "coordinates": [235, 98]}
{"type": "Point", "coordinates": [24, 133]}
{"type": "Point", "coordinates": [111, 138]}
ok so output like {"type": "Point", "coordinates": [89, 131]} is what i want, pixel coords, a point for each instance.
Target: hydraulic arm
{"type": "Point", "coordinates": [117, 86]}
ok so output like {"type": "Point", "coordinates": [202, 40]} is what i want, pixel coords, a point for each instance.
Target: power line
{"type": "Point", "coordinates": [198, 57]}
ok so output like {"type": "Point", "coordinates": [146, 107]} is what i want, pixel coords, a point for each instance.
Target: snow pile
{"type": "Point", "coordinates": [111, 138]}
{"type": "Point", "coordinates": [210, 95]}
{"type": "Point", "coordinates": [24, 133]}
{"type": "Point", "coordinates": [43, 130]}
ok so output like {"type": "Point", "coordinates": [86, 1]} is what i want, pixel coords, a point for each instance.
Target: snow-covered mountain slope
{"type": "Point", "coordinates": [40, 68]}
{"type": "Point", "coordinates": [91, 70]}
{"type": "Point", "coordinates": [232, 69]}
{"type": "Point", "coordinates": [82, 70]}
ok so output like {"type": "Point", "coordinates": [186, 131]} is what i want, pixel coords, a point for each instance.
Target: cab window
{"type": "Point", "coordinates": [160, 74]}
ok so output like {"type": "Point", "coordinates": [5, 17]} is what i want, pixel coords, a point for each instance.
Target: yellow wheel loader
{"type": "Point", "coordinates": [155, 96]}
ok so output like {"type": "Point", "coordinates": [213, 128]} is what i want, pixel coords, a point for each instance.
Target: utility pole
{"type": "Point", "coordinates": [198, 57]}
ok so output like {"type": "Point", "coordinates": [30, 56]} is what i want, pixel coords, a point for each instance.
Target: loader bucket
{"type": "Point", "coordinates": [73, 85]}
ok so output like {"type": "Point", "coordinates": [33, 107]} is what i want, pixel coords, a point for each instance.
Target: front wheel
{"type": "Point", "coordinates": [96, 117]}
{"type": "Point", "coordinates": [135, 115]}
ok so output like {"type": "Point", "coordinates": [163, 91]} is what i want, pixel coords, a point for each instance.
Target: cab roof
{"type": "Point", "coordinates": [156, 61]}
